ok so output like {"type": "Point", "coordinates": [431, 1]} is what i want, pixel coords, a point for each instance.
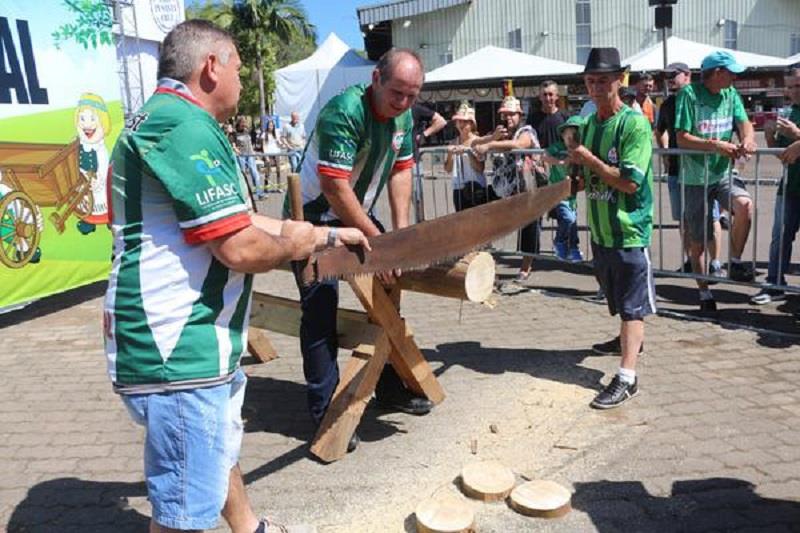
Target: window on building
{"type": "Point", "coordinates": [446, 58]}
{"type": "Point", "coordinates": [583, 30]}
{"type": "Point", "coordinates": [794, 44]}
{"type": "Point", "coordinates": [515, 40]}
{"type": "Point", "coordinates": [731, 34]}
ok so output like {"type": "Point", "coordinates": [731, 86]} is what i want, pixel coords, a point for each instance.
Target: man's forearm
{"type": "Point", "coordinates": [612, 176]}
{"type": "Point", "coordinates": [345, 204]}
{"type": "Point", "coordinates": [747, 132]}
{"type": "Point", "coordinates": [400, 188]}
{"type": "Point", "coordinates": [688, 141]}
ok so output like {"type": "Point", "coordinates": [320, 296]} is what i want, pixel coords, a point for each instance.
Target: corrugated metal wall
{"type": "Point", "coordinates": [548, 26]}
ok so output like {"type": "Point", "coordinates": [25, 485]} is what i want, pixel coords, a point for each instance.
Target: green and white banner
{"type": "Point", "coordinates": [60, 114]}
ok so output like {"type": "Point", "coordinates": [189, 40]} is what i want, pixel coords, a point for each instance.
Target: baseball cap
{"type": "Point", "coordinates": [678, 67]}
{"type": "Point", "coordinates": [722, 59]}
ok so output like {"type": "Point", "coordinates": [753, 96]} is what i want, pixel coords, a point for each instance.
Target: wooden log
{"type": "Point", "coordinates": [259, 345]}
{"type": "Point", "coordinates": [445, 515]}
{"type": "Point", "coordinates": [541, 498]}
{"type": "Point", "coordinates": [470, 278]}
{"type": "Point", "coordinates": [487, 481]}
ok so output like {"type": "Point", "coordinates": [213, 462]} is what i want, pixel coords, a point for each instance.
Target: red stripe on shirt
{"type": "Point", "coordinates": [335, 173]}
{"type": "Point", "coordinates": [403, 165]}
{"type": "Point", "coordinates": [217, 229]}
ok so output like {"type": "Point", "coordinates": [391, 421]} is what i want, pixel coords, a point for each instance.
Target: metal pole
{"type": "Point", "coordinates": [664, 48]}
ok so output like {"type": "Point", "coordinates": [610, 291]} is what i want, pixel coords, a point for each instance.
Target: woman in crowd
{"type": "Point", "coordinates": [469, 183]}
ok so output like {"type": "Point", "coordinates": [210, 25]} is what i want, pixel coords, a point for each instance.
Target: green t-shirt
{"type": "Point", "coordinates": [351, 142]}
{"type": "Point", "coordinates": [616, 219]}
{"type": "Point", "coordinates": [558, 173]}
{"type": "Point", "coordinates": [708, 116]}
{"type": "Point", "coordinates": [174, 316]}
{"type": "Point", "coordinates": [793, 186]}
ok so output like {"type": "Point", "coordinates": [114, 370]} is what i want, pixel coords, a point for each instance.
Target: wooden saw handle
{"type": "Point", "coordinates": [295, 197]}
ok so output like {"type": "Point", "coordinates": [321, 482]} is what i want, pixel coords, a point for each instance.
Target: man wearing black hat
{"type": "Point", "coordinates": [618, 177]}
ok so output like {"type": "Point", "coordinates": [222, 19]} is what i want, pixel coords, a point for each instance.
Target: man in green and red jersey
{"type": "Point", "coordinates": [617, 174]}
{"type": "Point", "coordinates": [706, 115]}
{"type": "Point", "coordinates": [361, 144]}
{"type": "Point", "coordinates": [186, 244]}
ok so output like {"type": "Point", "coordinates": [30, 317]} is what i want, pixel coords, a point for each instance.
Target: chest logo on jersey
{"type": "Point", "coordinates": [715, 125]}
{"type": "Point", "coordinates": [599, 192]}
{"type": "Point", "coordinates": [612, 156]}
{"type": "Point", "coordinates": [397, 140]}
{"type": "Point", "coordinates": [206, 166]}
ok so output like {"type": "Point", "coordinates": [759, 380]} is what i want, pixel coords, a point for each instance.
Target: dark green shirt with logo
{"type": "Point", "coordinates": [793, 185]}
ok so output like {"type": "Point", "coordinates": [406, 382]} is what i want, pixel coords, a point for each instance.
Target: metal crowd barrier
{"type": "Point", "coordinates": [272, 168]}
{"type": "Point", "coordinates": [762, 175]}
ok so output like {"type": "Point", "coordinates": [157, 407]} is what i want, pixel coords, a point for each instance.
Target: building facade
{"type": "Point", "coordinates": [445, 30]}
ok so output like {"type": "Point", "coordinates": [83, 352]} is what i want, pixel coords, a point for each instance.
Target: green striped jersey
{"type": "Point", "coordinates": [351, 142]}
{"type": "Point", "coordinates": [616, 219]}
{"type": "Point", "coordinates": [708, 116]}
{"type": "Point", "coordinates": [174, 316]}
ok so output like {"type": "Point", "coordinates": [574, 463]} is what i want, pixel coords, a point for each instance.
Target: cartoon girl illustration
{"type": "Point", "coordinates": [93, 122]}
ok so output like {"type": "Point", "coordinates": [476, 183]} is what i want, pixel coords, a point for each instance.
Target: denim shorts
{"type": "Point", "coordinates": [700, 200]}
{"type": "Point", "coordinates": [626, 277]}
{"type": "Point", "coordinates": [192, 442]}
{"type": "Point", "coordinates": [676, 203]}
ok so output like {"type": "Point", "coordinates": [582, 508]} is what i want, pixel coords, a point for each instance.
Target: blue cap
{"type": "Point", "coordinates": [722, 59]}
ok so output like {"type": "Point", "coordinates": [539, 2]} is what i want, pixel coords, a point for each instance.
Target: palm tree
{"type": "Point", "coordinates": [258, 24]}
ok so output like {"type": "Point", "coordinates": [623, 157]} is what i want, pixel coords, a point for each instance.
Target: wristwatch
{"type": "Point", "coordinates": [331, 241]}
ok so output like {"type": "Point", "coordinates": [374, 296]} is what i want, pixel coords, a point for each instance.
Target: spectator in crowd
{"type": "Point", "coordinates": [341, 183]}
{"type": "Point", "coordinates": [294, 139]}
{"type": "Point", "coordinates": [587, 108]}
{"type": "Point", "coordinates": [509, 179]}
{"type": "Point", "coordinates": [645, 86]}
{"type": "Point", "coordinates": [469, 183]}
{"type": "Point", "coordinates": [186, 246]}
{"type": "Point", "coordinates": [628, 97]}
{"type": "Point", "coordinates": [272, 147]}
{"type": "Point", "coordinates": [243, 146]}
{"type": "Point", "coordinates": [679, 75]}
{"type": "Point", "coordinates": [615, 156]}
{"type": "Point", "coordinates": [706, 114]}
{"type": "Point", "coordinates": [427, 123]}
{"type": "Point", "coordinates": [566, 242]}
{"type": "Point", "coordinates": [546, 120]}
{"type": "Point", "coordinates": [783, 133]}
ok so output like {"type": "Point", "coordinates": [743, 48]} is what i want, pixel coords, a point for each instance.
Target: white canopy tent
{"type": "Point", "coordinates": [492, 62]}
{"type": "Point", "coordinates": [307, 85]}
{"type": "Point", "coordinates": [791, 60]}
{"type": "Point", "coordinates": [692, 54]}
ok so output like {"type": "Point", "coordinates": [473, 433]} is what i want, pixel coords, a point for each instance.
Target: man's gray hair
{"type": "Point", "coordinates": [547, 83]}
{"type": "Point", "coordinates": [390, 58]}
{"type": "Point", "coordinates": [187, 46]}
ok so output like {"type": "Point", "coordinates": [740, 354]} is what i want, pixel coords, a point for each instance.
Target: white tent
{"type": "Point", "coordinates": [493, 62]}
{"type": "Point", "coordinates": [692, 54]}
{"type": "Point", "coordinates": [307, 85]}
{"type": "Point", "coordinates": [791, 60]}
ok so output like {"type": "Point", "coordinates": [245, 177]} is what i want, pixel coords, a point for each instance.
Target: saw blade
{"type": "Point", "coordinates": [433, 241]}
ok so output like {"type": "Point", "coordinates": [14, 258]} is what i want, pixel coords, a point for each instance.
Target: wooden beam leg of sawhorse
{"type": "Point", "coordinates": [357, 383]}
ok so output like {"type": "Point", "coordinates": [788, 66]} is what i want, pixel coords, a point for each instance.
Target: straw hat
{"type": "Point", "coordinates": [510, 104]}
{"type": "Point", "coordinates": [465, 112]}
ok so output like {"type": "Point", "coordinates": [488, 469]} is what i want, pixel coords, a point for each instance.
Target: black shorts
{"type": "Point", "coordinates": [626, 276]}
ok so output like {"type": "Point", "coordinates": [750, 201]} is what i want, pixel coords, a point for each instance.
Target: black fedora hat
{"type": "Point", "coordinates": [603, 60]}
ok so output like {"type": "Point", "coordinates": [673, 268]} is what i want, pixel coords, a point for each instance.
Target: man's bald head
{"type": "Point", "coordinates": [399, 59]}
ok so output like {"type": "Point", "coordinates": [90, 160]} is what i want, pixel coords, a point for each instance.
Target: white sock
{"type": "Point", "coordinates": [627, 375]}
{"type": "Point", "coordinates": [715, 263]}
{"type": "Point", "coordinates": [735, 259]}
{"type": "Point", "coordinates": [705, 294]}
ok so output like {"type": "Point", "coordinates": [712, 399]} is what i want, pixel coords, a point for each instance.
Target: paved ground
{"type": "Point", "coordinates": [710, 444]}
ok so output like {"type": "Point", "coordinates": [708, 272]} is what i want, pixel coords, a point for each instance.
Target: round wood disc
{"type": "Point", "coordinates": [479, 282]}
{"type": "Point", "coordinates": [444, 515]}
{"type": "Point", "coordinates": [545, 499]}
{"type": "Point", "coordinates": [488, 481]}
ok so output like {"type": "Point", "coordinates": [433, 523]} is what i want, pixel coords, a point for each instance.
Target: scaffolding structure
{"type": "Point", "coordinates": [126, 33]}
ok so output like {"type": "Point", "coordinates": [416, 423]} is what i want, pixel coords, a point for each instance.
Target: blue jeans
{"type": "Point", "coordinates": [192, 442]}
{"type": "Point", "coordinates": [567, 225]}
{"type": "Point", "coordinates": [790, 205]}
{"type": "Point", "coordinates": [294, 160]}
{"type": "Point", "coordinates": [248, 166]}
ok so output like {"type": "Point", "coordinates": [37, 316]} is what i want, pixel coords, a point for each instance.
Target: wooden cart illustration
{"type": "Point", "coordinates": [38, 175]}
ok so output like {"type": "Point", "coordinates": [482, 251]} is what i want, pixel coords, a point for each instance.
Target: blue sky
{"type": "Point", "coordinates": [328, 16]}
{"type": "Point", "coordinates": [337, 16]}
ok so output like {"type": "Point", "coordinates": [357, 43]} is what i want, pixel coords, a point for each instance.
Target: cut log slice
{"type": "Point", "coordinates": [445, 515]}
{"type": "Point", "coordinates": [541, 498]}
{"type": "Point", "coordinates": [488, 481]}
{"type": "Point", "coordinates": [470, 278]}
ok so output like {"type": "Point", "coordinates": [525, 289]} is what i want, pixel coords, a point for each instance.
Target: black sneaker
{"type": "Point", "coordinates": [715, 270]}
{"type": "Point", "coordinates": [767, 296]}
{"type": "Point", "coordinates": [708, 306]}
{"type": "Point", "coordinates": [412, 405]}
{"type": "Point", "coordinates": [686, 268]}
{"type": "Point", "coordinates": [615, 394]}
{"type": "Point", "coordinates": [741, 272]}
{"type": "Point", "coordinates": [353, 443]}
{"type": "Point", "coordinates": [612, 347]}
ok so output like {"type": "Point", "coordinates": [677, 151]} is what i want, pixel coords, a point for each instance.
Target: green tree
{"type": "Point", "coordinates": [270, 34]}
{"type": "Point", "coordinates": [93, 24]}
